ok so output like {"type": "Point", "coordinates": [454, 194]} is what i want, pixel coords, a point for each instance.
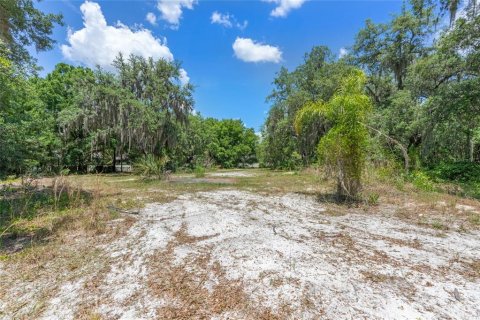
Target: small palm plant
{"type": "Point", "coordinates": [150, 166]}
{"type": "Point", "coordinates": [343, 148]}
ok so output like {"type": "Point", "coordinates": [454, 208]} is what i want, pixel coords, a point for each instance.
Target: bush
{"type": "Point", "coordinates": [457, 171]}
{"type": "Point", "coordinates": [152, 167]}
{"type": "Point", "coordinates": [422, 181]}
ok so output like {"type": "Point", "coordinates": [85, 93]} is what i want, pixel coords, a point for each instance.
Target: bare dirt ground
{"type": "Point", "coordinates": [238, 254]}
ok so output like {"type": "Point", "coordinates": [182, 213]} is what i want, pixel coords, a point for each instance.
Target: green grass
{"type": "Point", "coordinates": [19, 205]}
{"type": "Point", "coordinates": [474, 218]}
{"type": "Point", "coordinates": [436, 224]}
{"type": "Point", "coordinates": [199, 172]}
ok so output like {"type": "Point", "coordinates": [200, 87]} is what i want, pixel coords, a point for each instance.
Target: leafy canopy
{"type": "Point", "coordinates": [22, 25]}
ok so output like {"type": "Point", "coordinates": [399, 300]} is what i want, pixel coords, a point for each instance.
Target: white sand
{"type": "Point", "coordinates": [232, 174]}
{"type": "Point", "coordinates": [288, 251]}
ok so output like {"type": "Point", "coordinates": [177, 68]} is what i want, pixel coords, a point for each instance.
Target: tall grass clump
{"type": "Point", "coordinates": [199, 172]}
{"type": "Point", "coordinates": [31, 209]}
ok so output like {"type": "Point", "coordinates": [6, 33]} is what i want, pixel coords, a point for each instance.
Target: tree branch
{"type": "Point", "coordinates": [399, 144]}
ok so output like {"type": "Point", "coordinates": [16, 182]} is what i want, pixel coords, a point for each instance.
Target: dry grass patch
{"type": "Point", "coordinates": [378, 277]}
{"type": "Point", "coordinates": [474, 267]}
{"type": "Point", "coordinates": [198, 288]}
{"type": "Point", "coordinates": [343, 236]}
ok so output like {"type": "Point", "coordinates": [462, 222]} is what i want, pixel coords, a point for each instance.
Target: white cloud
{"type": "Point", "coordinates": [227, 20]}
{"type": "Point", "coordinates": [98, 43]}
{"type": "Point", "coordinates": [152, 18]}
{"type": "Point", "coordinates": [184, 78]}
{"type": "Point", "coordinates": [342, 53]}
{"type": "Point", "coordinates": [284, 7]}
{"type": "Point", "coordinates": [250, 51]}
{"type": "Point", "coordinates": [222, 19]}
{"type": "Point", "coordinates": [242, 26]}
{"type": "Point", "coordinates": [172, 10]}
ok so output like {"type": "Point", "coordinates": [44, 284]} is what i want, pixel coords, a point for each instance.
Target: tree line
{"type": "Point", "coordinates": [407, 91]}
{"type": "Point", "coordinates": [76, 118]}
{"type": "Point", "coordinates": [422, 75]}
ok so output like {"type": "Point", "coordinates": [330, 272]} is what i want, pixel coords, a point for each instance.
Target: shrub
{"type": "Point", "coordinates": [457, 171]}
{"type": "Point", "coordinates": [150, 166]}
{"type": "Point", "coordinates": [422, 181]}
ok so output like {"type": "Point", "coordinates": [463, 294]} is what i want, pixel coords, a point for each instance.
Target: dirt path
{"type": "Point", "coordinates": [237, 255]}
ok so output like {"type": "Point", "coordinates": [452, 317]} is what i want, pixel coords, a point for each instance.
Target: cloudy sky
{"type": "Point", "coordinates": [230, 50]}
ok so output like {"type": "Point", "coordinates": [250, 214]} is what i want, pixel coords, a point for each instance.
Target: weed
{"type": "Point", "coordinates": [474, 268]}
{"type": "Point", "coordinates": [199, 172]}
{"type": "Point", "coordinates": [437, 224]}
{"type": "Point", "coordinates": [399, 184]}
{"type": "Point", "coordinates": [422, 182]}
{"type": "Point", "coordinates": [372, 199]}
{"type": "Point", "coordinates": [33, 210]}
{"type": "Point", "coordinates": [474, 218]}
{"type": "Point", "coordinates": [457, 171]}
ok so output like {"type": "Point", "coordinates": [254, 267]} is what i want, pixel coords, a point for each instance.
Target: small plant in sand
{"type": "Point", "coordinates": [199, 172]}
{"type": "Point", "coordinates": [372, 199]}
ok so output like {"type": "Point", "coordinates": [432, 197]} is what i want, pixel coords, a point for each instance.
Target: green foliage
{"type": "Point", "coordinates": [422, 181]}
{"type": "Point", "coordinates": [199, 172]}
{"type": "Point", "coordinates": [152, 167]}
{"type": "Point", "coordinates": [343, 148]}
{"type": "Point", "coordinates": [426, 93]}
{"type": "Point", "coordinates": [76, 118]}
{"type": "Point", "coordinates": [26, 131]}
{"type": "Point", "coordinates": [279, 145]}
{"type": "Point", "coordinates": [232, 144]}
{"type": "Point", "coordinates": [133, 112]}
{"type": "Point", "coordinates": [457, 171]}
{"type": "Point", "coordinates": [211, 142]}
{"type": "Point", "coordinates": [389, 48]}
{"type": "Point", "coordinates": [316, 79]}
{"type": "Point", "coordinates": [19, 204]}
{"type": "Point", "coordinates": [402, 117]}
{"type": "Point", "coordinates": [22, 26]}
{"type": "Point", "coordinates": [424, 85]}
{"type": "Point", "coordinates": [391, 173]}
{"type": "Point", "coordinates": [372, 199]}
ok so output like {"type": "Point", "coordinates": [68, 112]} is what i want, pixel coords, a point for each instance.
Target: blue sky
{"type": "Point", "coordinates": [229, 83]}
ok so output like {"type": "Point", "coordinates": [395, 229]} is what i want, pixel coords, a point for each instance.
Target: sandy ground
{"type": "Point", "coordinates": [232, 174]}
{"type": "Point", "coordinates": [237, 255]}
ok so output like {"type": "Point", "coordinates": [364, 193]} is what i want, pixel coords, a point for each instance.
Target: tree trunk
{"type": "Point", "coordinates": [121, 158]}
{"type": "Point", "coordinates": [468, 150]}
{"type": "Point", "coordinates": [471, 150]}
{"type": "Point", "coordinates": [114, 162]}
